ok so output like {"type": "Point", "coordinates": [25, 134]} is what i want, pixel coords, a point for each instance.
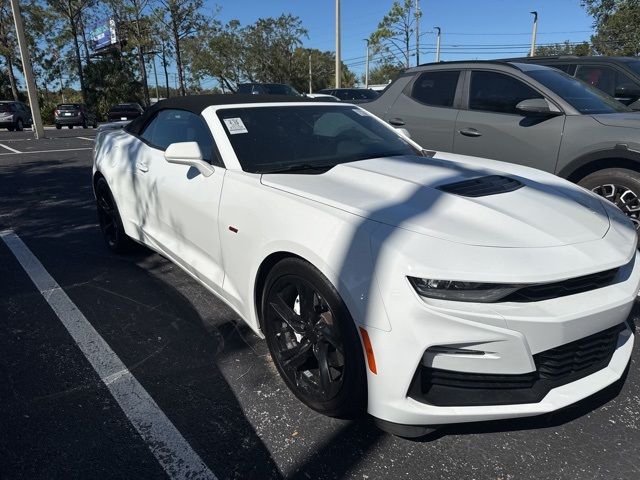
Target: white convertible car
{"type": "Point", "coordinates": [424, 288]}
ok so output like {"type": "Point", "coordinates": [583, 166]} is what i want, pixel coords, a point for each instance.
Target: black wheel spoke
{"type": "Point", "coordinates": [306, 295]}
{"type": "Point", "coordinates": [298, 355]}
{"type": "Point", "coordinates": [327, 334]}
{"type": "Point", "coordinates": [321, 351]}
{"type": "Point", "coordinates": [286, 313]}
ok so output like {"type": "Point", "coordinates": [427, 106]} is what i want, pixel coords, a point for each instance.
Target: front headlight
{"type": "Point", "coordinates": [462, 291]}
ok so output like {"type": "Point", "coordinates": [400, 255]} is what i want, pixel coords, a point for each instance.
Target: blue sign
{"type": "Point", "coordinates": [103, 34]}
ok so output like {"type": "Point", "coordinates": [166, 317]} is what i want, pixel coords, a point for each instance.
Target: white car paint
{"type": "Point", "coordinates": [368, 225]}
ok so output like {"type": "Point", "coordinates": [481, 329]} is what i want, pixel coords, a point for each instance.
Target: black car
{"type": "Point", "coordinates": [14, 115]}
{"type": "Point", "coordinates": [267, 89]}
{"type": "Point", "coordinates": [352, 95]}
{"type": "Point", "coordinates": [124, 111]}
{"type": "Point", "coordinates": [74, 115]}
{"type": "Point", "coordinates": [618, 77]}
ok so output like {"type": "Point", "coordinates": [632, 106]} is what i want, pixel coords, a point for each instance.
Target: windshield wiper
{"type": "Point", "coordinates": [301, 167]}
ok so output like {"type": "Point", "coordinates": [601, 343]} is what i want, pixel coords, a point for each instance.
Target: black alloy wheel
{"type": "Point", "coordinates": [313, 340]}
{"type": "Point", "coordinates": [110, 221]}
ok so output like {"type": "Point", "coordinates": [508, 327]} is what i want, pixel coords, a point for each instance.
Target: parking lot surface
{"type": "Point", "coordinates": [209, 377]}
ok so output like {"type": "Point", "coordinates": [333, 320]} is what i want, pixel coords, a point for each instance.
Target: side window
{"type": "Point", "coordinates": [172, 126]}
{"type": "Point", "coordinates": [436, 88]}
{"type": "Point", "coordinates": [496, 92]}
{"type": "Point", "coordinates": [604, 78]}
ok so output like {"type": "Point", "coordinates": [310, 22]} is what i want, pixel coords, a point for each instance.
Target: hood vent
{"type": "Point", "coordinates": [482, 186]}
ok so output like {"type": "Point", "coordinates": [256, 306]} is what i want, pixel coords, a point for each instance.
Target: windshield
{"type": "Point", "coordinates": [124, 108]}
{"type": "Point", "coordinates": [279, 89]}
{"type": "Point", "coordinates": [271, 139]}
{"type": "Point", "coordinates": [581, 96]}
{"type": "Point", "coordinates": [6, 107]}
{"type": "Point", "coordinates": [356, 94]}
{"type": "Point", "coordinates": [69, 106]}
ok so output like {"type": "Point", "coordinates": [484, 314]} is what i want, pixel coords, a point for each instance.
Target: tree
{"type": "Point", "coordinates": [384, 72]}
{"type": "Point", "coordinates": [566, 48]}
{"type": "Point", "coordinates": [8, 45]}
{"type": "Point", "coordinates": [395, 30]}
{"type": "Point", "coordinates": [71, 11]}
{"type": "Point", "coordinates": [617, 24]}
{"type": "Point", "coordinates": [183, 20]}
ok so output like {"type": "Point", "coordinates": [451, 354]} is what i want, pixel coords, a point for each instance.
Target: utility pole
{"type": "Point", "coordinates": [28, 72]}
{"type": "Point", "coordinates": [417, 12]}
{"type": "Point", "coordinates": [338, 57]}
{"type": "Point", "coordinates": [366, 66]}
{"type": "Point", "coordinates": [310, 77]}
{"type": "Point", "coordinates": [533, 34]}
{"type": "Point", "coordinates": [438, 44]}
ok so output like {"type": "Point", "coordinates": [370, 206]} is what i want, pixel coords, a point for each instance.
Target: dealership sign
{"type": "Point", "coordinates": [103, 34]}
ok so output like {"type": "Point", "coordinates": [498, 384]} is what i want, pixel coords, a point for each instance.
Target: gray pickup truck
{"type": "Point", "coordinates": [521, 113]}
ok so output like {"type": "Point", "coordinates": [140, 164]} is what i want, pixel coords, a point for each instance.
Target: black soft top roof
{"type": "Point", "coordinates": [197, 103]}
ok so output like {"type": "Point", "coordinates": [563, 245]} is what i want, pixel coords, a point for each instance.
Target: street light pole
{"type": "Point", "coordinates": [28, 72]}
{"type": "Point", "coordinates": [155, 75]}
{"type": "Point", "coordinates": [532, 53]}
{"type": "Point", "coordinates": [417, 32]}
{"type": "Point", "coordinates": [338, 58]}
{"type": "Point", "coordinates": [310, 77]}
{"type": "Point", "coordinates": [438, 44]}
{"type": "Point", "coordinates": [366, 66]}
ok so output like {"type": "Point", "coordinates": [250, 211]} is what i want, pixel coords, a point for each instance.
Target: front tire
{"type": "Point", "coordinates": [620, 186]}
{"type": "Point", "coordinates": [313, 340]}
{"type": "Point", "coordinates": [110, 220]}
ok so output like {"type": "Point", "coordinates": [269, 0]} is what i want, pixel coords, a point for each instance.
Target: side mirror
{"type": "Point", "coordinates": [188, 153]}
{"type": "Point", "coordinates": [627, 90]}
{"type": "Point", "coordinates": [404, 132]}
{"type": "Point", "coordinates": [537, 107]}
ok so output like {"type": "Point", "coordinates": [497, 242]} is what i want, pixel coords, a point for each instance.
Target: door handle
{"type": "Point", "coordinates": [470, 132]}
{"type": "Point", "coordinates": [142, 166]}
{"type": "Point", "coordinates": [396, 122]}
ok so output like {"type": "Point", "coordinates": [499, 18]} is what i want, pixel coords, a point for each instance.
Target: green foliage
{"type": "Point", "coordinates": [566, 48]}
{"type": "Point", "coordinates": [394, 33]}
{"type": "Point", "coordinates": [617, 24]}
{"type": "Point", "coordinates": [111, 80]}
{"type": "Point", "coordinates": [384, 72]}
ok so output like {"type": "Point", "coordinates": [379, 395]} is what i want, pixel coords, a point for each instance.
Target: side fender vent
{"type": "Point", "coordinates": [482, 186]}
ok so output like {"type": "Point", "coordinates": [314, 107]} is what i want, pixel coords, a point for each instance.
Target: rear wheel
{"type": "Point", "coordinates": [620, 186]}
{"type": "Point", "coordinates": [70, 127]}
{"type": "Point", "coordinates": [110, 220]}
{"type": "Point", "coordinates": [19, 125]}
{"type": "Point", "coordinates": [84, 123]}
{"type": "Point", "coordinates": [58, 126]}
{"type": "Point", "coordinates": [313, 340]}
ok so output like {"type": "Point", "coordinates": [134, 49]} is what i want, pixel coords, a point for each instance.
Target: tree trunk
{"type": "Point", "coordinates": [164, 66]}
{"type": "Point", "coordinates": [74, 34]}
{"type": "Point", "coordinates": [143, 73]}
{"type": "Point", "coordinates": [84, 40]}
{"type": "Point", "coordinates": [176, 41]}
{"type": "Point", "coordinates": [12, 78]}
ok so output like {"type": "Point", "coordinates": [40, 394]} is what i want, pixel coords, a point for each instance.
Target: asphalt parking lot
{"type": "Point", "coordinates": [209, 377]}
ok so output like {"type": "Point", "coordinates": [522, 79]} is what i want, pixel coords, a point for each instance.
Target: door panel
{"type": "Point", "coordinates": [493, 128]}
{"type": "Point", "coordinates": [427, 110]}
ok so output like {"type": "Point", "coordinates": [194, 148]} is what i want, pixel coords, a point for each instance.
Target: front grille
{"type": "Point", "coordinates": [536, 293]}
{"type": "Point", "coordinates": [482, 186]}
{"type": "Point", "coordinates": [577, 356]}
{"type": "Point", "coordinates": [554, 368]}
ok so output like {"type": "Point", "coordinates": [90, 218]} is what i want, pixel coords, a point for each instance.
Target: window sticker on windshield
{"type": "Point", "coordinates": [235, 126]}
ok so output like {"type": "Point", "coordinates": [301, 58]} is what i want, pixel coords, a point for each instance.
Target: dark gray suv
{"type": "Point", "coordinates": [521, 113]}
{"type": "Point", "coordinates": [14, 115]}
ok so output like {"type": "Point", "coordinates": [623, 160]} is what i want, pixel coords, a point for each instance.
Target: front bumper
{"type": "Point", "coordinates": [510, 334]}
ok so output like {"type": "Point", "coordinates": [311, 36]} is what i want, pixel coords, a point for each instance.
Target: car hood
{"type": "Point", "coordinates": [407, 192]}
{"type": "Point", "coordinates": [628, 119]}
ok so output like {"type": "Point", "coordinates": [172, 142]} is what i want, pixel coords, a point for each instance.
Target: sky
{"type": "Point", "coordinates": [470, 28]}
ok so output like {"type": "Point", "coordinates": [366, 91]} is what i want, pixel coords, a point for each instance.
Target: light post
{"type": "Point", "coordinates": [338, 59]}
{"type": "Point", "coordinates": [532, 53]}
{"type": "Point", "coordinates": [366, 67]}
{"type": "Point", "coordinates": [438, 44]}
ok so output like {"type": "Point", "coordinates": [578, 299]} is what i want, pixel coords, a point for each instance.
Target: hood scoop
{"type": "Point", "coordinates": [482, 186]}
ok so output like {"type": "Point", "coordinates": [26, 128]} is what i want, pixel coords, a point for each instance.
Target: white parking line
{"type": "Point", "coordinates": [164, 440]}
{"type": "Point", "coordinates": [46, 151]}
{"type": "Point", "coordinates": [86, 138]}
{"type": "Point", "coordinates": [10, 149]}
